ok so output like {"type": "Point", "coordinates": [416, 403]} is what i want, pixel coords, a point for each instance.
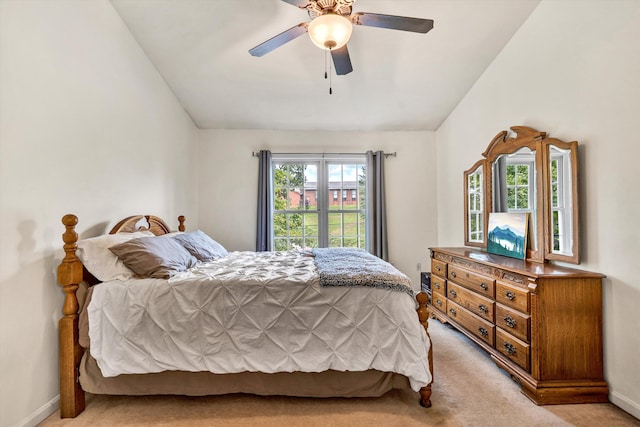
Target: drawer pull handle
{"type": "Point", "coordinates": [483, 331]}
{"type": "Point", "coordinates": [510, 321]}
{"type": "Point", "coordinates": [483, 308]}
{"type": "Point", "coordinates": [484, 286]}
{"type": "Point", "coordinates": [452, 311]}
{"type": "Point", "coordinates": [510, 295]}
{"type": "Point", "coordinates": [510, 348]}
{"type": "Point", "coordinates": [439, 303]}
{"type": "Point", "coordinates": [453, 293]}
{"type": "Point", "coordinates": [453, 274]}
{"type": "Point", "coordinates": [436, 285]}
{"type": "Point", "coordinates": [437, 268]}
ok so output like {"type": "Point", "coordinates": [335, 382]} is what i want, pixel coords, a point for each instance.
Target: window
{"type": "Point", "coordinates": [326, 221]}
{"type": "Point", "coordinates": [475, 217]}
{"type": "Point", "coordinates": [519, 175]}
{"type": "Point", "coordinates": [560, 202]}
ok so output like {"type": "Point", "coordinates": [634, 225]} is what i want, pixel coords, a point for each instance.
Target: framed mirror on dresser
{"type": "Point", "coordinates": [541, 322]}
{"type": "Point", "coordinates": [527, 172]}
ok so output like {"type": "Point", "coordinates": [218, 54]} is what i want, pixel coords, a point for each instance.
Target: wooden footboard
{"type": "Point", "coordinates": [423, 316]}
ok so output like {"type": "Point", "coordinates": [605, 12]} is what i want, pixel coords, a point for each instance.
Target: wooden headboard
{"type": "Point", "coordinates": [145, 222]}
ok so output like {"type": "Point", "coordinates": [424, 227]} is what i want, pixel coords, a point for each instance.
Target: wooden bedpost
{"type": "Point", "coordinates": [69, 276]}
{"type": "Point", "coordinates": [181, 223]}
{"type": "Point", "coordinates": [423, 315]}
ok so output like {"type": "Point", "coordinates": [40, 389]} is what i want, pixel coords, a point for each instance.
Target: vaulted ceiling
{"type": "Point", "coordinates": [401, 80]}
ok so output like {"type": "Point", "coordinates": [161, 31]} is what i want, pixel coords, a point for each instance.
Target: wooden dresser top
{"type": "Point", "coordinates": [526, 268]}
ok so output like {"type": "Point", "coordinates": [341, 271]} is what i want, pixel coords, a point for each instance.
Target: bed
{"type": "Point", "coordinates": [232, 322]}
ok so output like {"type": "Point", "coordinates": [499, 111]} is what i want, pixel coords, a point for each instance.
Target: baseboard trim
{"type": "Point", "coordinates": [625, 404]}
{"type": "Point", "coordinates": [40, 414]}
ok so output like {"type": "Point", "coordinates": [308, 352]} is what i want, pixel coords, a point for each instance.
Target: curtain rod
{"type": "Point", "coordinates": [394, 154]}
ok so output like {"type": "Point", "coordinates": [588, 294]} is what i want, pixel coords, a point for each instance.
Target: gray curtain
{"type": "Point", "coordinates": [264, 231]}
{"type": "Point", "coordinates": [376, 212]}
{"type": "Point", "coordinates": [499, 189]}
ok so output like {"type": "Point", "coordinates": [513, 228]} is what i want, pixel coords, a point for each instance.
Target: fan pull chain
{"type": "Point", "coordinates": [328, 60]}
{"type": "Point", "coordinates": [330, 73]}
{"type": "Point", "coordinates": [325, 64]}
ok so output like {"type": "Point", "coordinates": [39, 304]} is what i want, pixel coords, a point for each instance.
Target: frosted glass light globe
{"type": "Point", "coordinates": [330, 31]}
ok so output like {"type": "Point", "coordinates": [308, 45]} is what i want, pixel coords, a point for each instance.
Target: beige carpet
{"type": "Point", "coordinates": [469, 390]}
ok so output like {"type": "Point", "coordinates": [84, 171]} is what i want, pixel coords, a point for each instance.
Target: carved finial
{"type": "Point", "coordinates": [181, 226]}
{"type": "Point", "coordinates": [423, 311]}
{"type": "Point", "coordinates": [70, 269]}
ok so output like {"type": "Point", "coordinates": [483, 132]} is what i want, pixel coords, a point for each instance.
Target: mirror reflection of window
{"type": "Point", "coordinates": [518, 184]}
{"type": "Point", "coordinates": [514, 186]}
{"type": "Point", "coordinates": [560, 191]}
{"type": "Point", "coordinates": [476, 203]}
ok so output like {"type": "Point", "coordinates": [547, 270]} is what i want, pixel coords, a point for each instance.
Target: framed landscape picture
{"type": "Point", "coordinates": [507, 234]}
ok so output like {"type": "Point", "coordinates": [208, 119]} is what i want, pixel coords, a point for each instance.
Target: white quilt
{"type": "Point", "coordinates": [254, 311]}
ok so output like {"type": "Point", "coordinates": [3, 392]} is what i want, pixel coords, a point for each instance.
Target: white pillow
{"type": "Point", "coordinates": [100, 261]}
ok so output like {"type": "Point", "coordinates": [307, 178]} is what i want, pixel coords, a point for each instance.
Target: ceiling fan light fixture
{"type": "Point", "coordinates": [330, 31]}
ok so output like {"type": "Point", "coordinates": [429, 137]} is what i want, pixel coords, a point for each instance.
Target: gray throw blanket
{"type": "Point", "coordinates": [356, 267]}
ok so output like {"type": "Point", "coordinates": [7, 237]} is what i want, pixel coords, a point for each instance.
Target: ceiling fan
{"type": "Point", "coordinates": [331, 25]}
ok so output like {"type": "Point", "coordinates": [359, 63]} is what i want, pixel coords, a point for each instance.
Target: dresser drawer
{"type": "Point", "coordinates": [438, 284]}
{"type": "Point", "coordinates": [477, 326]}
{"type": "Point", "coordinates": [513, 348]}
{"type": "Point", "coordinates": [481, 284]}
{"type": "Point", "coordinates": [439, 268]}
{"type": "Point", "coordinates": [439, 302]}
{"type": "Point", "coordinates": [511, 296]}
{"type": "Point", "coordinates": [483, 307]}
{"type": "Point", "coordinates": [514, 322]}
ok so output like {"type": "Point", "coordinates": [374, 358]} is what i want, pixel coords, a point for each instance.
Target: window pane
{"type": "Point", "coordinates": [335, 242]}
{"type": "Point", "coordinates": [310, 202]}
{"type": "Point", "coordinates": [280, 226]}
{"type": "Point", "coordinates": [295, 224]}
{"type": "Point", "coordinates": [350, 242]}
{"type": "Point", "coordinates": [511, 175]}
{"type": "Point", "coordinates": [311, 242]}
{"type": "Point", "coordinates": [511, 198]}
{"type": "Point", "coordinates": [311, 225]}
{"type": "Point", "coordinates": [280, 244]}
{"type": "Point", "coordinates": [555, 224]}
{"type": "Point", "coordinates": [296, 199]}
{"type": "Point", "coordinates": [523, 175]}
{"type": "Point", "coordinates": [335, 224]}
{"type": "Point", "coordinates": [311, 176]}
{"type": "Point", "coordinates": [350, 224]}
{"type": "Point", "coordinates": [523, 198]}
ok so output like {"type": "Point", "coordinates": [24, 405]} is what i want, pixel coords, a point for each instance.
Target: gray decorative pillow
{"type": "Point", "coordinates": [158, 257]}
{"type": "Point", "coordinates": [201, 246]}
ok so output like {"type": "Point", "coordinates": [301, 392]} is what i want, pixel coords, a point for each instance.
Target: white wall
{"type": "Point", "coordinates": [228, 184]}
{"type": "Point", "coordinates": [87, 126]}
{"type": "Point", "coordinates": [571, 70]}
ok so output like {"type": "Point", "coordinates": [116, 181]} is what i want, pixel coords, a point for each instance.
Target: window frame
{"type": "Point", "coordinates": [323, 203]}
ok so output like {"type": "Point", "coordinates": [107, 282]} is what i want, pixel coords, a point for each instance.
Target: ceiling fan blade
{"type": "Point", "coordinates": [341, 61]}
{"type": "Point", "coordinates": [279, 40]}
{"type": "Point", "coordinates": [302, 4]}
{"type": "Point", "coordinates": [416, 25]}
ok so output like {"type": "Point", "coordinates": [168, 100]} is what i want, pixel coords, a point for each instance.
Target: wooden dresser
{"type": "Point", "coordinates": [541, 323]}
